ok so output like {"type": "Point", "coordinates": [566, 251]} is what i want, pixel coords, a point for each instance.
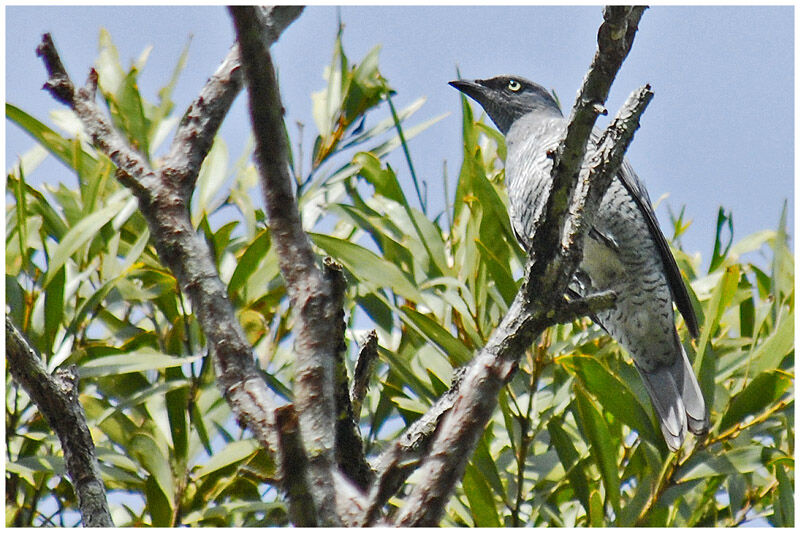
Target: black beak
{"type": "Point", "coordinates": [472, 88]}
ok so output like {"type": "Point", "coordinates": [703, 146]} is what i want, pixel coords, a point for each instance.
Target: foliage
{"type": "Point", "coordinates": [86, 286]}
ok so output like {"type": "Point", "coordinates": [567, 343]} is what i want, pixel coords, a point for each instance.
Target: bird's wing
{"type": "Point", "coordinates": [634, 186]}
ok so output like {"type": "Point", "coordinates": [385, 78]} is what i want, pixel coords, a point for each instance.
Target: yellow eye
{"type": "Point", "coordinates": [514, 85]}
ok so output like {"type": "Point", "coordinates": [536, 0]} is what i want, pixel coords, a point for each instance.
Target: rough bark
{"type": "Point", "coordinates": [316, 296]}
{"type": "Point", "coordinates": [56, 396]}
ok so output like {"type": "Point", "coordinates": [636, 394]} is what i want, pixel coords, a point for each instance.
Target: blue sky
{"type": "Point", "coordinates": [719, 131]}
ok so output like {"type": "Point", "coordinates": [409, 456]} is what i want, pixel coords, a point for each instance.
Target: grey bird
{"type": "Point", "coordinates": [625, 250]}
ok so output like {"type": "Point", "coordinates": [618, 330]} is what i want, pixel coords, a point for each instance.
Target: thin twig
{"type": "Point", "coordinates": [363, 371]}
{"type": "Point", "coordinates": [349, 447]}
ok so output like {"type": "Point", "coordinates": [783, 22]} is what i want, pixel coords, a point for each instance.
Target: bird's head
{"type": "Point", "coordinates": [507, 98]}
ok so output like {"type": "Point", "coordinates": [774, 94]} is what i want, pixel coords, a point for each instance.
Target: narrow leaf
{"type": "Point", "coordinates": [602, 446]}
{"type": "Point", "coordinates": [766, 388]}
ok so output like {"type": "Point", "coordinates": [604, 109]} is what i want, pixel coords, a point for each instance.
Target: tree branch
{"type": "Point", "coordinates": [163, 200]}
{"type": "Point", "coordinates": [554, 260]}
{"type": "Point", "coordinates": [366, 360]}
{"type": "Point", "coordinates": [201, 121]}
{"type": "Point", "coordinates": [199, 125]}
{"type": "Point", "coordinates": [614, 41]}
{"type": "Point", "coordinates": [317, 303]}
{"type": "Point", "coordinates": [100, 130]}
{"type": "Point", "coordinates": [294, 466]}
{"type": "Point", "coordinates": [57, 398]}
{"type": "Point", "coordinates": [349, 448]}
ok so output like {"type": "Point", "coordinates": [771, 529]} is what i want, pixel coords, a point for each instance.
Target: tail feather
{"type": "Point", "coordinates": [667, 402]}
{"type": "Point", "coordinates": [692, 398]}
{"type": "Point", "coordinates": [677, 399]}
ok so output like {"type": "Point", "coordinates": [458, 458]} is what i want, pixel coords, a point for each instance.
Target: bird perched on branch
{"type": "Point", "coordinates": [624, 251]}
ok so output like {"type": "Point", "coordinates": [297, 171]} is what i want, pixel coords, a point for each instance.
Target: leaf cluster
{"type": "Point", "coordinates": [574, 441]}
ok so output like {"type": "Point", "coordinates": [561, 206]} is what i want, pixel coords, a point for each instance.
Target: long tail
{"type": "Point", "coordinates": [677, 399]}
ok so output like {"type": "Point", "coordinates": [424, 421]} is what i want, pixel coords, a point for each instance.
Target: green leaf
{"type": "Point", "coordinates": [454, 348]}
{"type": "Point", "coordinates": [383, 126]}
{"type": "Point", "coordinates": [165, 93]}
{"type": "Point", "coordinates": [747, 310]}
{"type": "Point", "coordinates": [597, 512]}
{"type": "Point", "coordinates": [603, 447]}
{"type": "Point", "coordinates": [500, 272]}
{"type": "Point", "coordinates": [770, 353]}
{"type": "Point", "coordinates": [751, 243]}
{"type": "Point", "coordinates": [110, 72]}
{"type": "Point", "coordinates": [486, 464]}
{"type": "Point", "coordinates": [158, 504]}
{"type": "Point", "coordinates": [136, 361]}
{"type": "Point", "coordinates": [782, 275]}
{"type": "Point", "coordinates": [234, 452]}
{"type": "Point", "coordinates": [783, 502]}
{"type": "Point", "coordinates": [76, 237]}
{"type": "Point", "coordinates": [21, 210]}
{"type": "Point", "coordinates": [92, 303]}
{"type": "Point", "coordinates": [249, 260]}
{"type": "Point", "coordinates": [145, 449]}
{"type": "Point", "coordinates": [38, 463]}
{"type": "Point", "coordinates": [137, 399]}
{"type": "Point", "coordinates": [177, 401]}
{"type": "Point", "coordinates": [127, 107]}
{"type": "Point", "coordinates": [384, 180]}
{"type": "Point", "coordinates": [765, 389]}
{"type": "Point", "coordinates": [613, 394]}
{"type": "Point", "coordinates": [705, 367]}
{"type": "Point", "coordinates": [368, 267]}
{"type": "Point", "coordinates": [737, 492]}
{"type": "Point", "coordinates": [54, 225]}
{"type": "Point", "coordinates": [741, 460]}
{"type": "Point", "coordinates": [225, 511]}
{"type": "Point", "coordinates": [570, 459]}
{"type": "Point", "coordinates": [480, 497]}
{"type": "Point", "coordinates": [719, 255]}
{"type": "Point", "coordinates": [63, 149]}
{"type": "Point", "coordinates": [53, 308]}
{"type": "Point", "coordinates": [210, 180]}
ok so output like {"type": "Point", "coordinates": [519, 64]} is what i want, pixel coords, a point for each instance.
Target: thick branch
{"type": "Point", "coordinates": [603, 166]}
{"type": "Point", "coordinates": [547, 277]}
{"type": "Point", "coordinates": [348, 444]}
{"type": "Point", "coordinates": [57, 398]}
{"type": "Point", "coordinates": [200, 123]}
{"type": "Point", "coordinates": [317, 303]}
{"type": "Point", "coordinates": [163, 202]}
{"type": "Point", "coordinates": [614, 41]}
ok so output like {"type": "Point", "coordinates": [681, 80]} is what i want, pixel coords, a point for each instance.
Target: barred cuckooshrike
{"type": "Point", "coordinates": [625, 250]}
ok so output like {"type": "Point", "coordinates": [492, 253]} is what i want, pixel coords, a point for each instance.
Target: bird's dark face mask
{"type": "Point", "coordinates": [507, 98]}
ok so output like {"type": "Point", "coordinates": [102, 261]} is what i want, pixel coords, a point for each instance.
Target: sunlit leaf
{"type": "Point", "coordinates": [603, 447]}
{"type": "Point", "coordinates": [765, 389]}
{"type": "Point", "coordinates": [137, 361]}
{"type": "Point", "coordinates": [738, 460]}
